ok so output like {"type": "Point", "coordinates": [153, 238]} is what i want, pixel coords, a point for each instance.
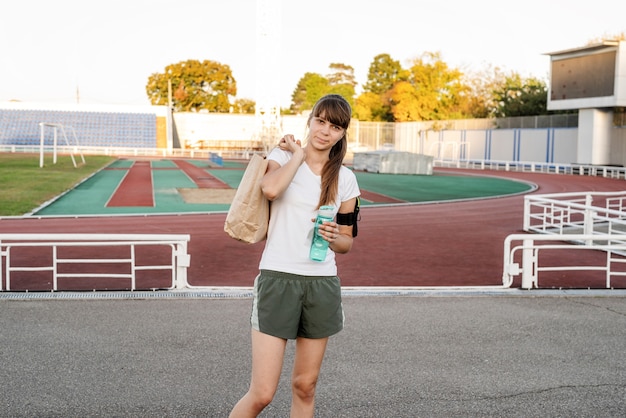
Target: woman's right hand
{"type": "Point", "coordinates": [289, 143]}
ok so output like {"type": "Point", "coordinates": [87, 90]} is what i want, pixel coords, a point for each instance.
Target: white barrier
{"type": "Point", "coordinates": [576, 212]}
{"type": "Point", "coordinates": [535, 167]}
{"type": "Point", "coordinates": [177, 260]}
{"type": "Point", "coordinates": [569, 222]}
{"type": "Point", "coordinates": [529, 246]}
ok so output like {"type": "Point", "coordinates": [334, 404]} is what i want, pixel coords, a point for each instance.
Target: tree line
{"type": "Point", "coordinates": [428, 90]}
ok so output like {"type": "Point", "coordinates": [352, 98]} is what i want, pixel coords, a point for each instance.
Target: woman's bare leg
{"type": "Point", "coordinates": [268, 353]}
{"type": "Point", "coordinates": [306, 370]}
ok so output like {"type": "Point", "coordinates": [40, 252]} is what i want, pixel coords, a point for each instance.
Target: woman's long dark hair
{"type": "Point", "coordinates": [335, 109]}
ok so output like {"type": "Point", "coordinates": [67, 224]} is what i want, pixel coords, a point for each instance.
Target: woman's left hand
{"type": "Point", "coordinates": [330, 231]}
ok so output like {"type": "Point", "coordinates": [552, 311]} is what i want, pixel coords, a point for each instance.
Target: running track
{"type": "Point", "coordinates": [439, 244]}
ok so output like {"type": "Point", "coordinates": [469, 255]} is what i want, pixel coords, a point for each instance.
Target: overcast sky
{"type": "Point", "coordinates": [108, 49]}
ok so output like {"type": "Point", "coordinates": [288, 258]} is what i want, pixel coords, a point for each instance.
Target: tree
{"type": "Point", "coordinates": [383, 74]}
{"type": "Point", "coordinates": [373, 104]}
{"type": "Point", "coordinates": [341, 81]}
{"type": "Point", "coordinates": [432, 91]}
{"type": "Point", "coordinates": [200, 85]}
{"type": "Point", "coordinates": [521, 97]}
{"type": "Point", "coordinates": [310, 88]}
{"type": "Point", "coordinates": [341, 74]}
{"type": "Point", "coordinates": [366, 106]}
{"type": "Point", "coordinates": [608, 37]}
{"type": "Point", "coordinates": [246, 106]}
{"type": "Point", "coordinates": [407, 105]}
{"type": "Point", "coordinates": [480, 99]}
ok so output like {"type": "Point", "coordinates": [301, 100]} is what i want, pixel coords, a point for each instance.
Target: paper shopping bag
{"type": "Point", "coordinates": [249, 213]}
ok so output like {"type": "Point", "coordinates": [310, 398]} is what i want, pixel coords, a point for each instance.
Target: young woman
{"type": "Point", "coordinates": [294, 296]}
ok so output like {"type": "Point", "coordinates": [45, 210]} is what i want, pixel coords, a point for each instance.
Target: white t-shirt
{"type": "Point", "coordinates": [291, 229]}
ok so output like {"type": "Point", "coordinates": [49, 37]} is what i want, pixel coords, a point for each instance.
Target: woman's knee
{"type": "Point", "coordinates": [262, 397]}
{"type": "Point", "coordinates": [304, 386]}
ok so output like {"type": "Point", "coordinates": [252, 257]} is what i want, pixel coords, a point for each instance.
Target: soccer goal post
{"type": "Point", "coordinates": [55, 130]}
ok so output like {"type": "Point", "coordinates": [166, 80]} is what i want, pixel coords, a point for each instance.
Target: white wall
{"type": "Point", "coordinates": [502, 144]}
{"type": "Point", "coordinates": [558, 145]}
{"type": "Point", "coordinates": [476, 144]}
{"type": "Point", "coordinates": [594, 136]}
{"type": "Point", "coordinates": [618, 146]}
{"type": "Point", "coordinates": [532, 145]}
{"type": "Point", "coordinates": [194, 127]}
{"type": "Point", "coordinates": [565, 149]}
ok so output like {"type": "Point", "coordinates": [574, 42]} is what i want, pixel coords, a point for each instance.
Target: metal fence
{"type": "Point", "coordinates": [568, 222]}
{"type": "Point", "coordinates": [524, 255]}
{"type": "Point", "coordinates": [577, 212]}
{"type": "Point", "coordinates": [380, 135]}
{"type": "Point", "coordinates": [537, 167]}
{"type": "Point", "coordinates": [567, 120]}
{"type": "Point", "coordinates": [111, 258]}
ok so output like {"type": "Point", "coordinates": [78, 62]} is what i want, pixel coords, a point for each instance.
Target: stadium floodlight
{"type": "Point", "coordinates": [268, 121]}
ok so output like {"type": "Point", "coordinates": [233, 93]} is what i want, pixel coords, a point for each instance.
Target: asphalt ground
{"type": "Point", "coordinates": [512, 354]}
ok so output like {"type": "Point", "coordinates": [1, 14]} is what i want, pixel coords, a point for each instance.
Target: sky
{"type": "Point", "coordinates": [103, 51]}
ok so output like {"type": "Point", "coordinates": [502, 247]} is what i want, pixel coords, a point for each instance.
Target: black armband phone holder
{"type": "Point", "coordinates": [351, 218]}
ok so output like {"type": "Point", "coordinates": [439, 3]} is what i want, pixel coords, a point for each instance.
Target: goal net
{"type": "Point", "coordinates": [57, 128]}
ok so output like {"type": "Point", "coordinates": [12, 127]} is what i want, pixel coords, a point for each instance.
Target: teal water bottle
{"type": "Point", "coordinates": [319, 246]}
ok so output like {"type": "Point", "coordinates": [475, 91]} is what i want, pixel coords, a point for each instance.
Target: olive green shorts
{"type": "Point", "coordinates": [290, 306]}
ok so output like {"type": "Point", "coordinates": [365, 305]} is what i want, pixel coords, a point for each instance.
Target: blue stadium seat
{"type": "Point", "coordinates": [97, 129]}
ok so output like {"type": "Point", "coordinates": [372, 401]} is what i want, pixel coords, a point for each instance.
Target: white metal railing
{"type": "Point", "coordinates": [176, 261]}
{"type": "Point", "coordinates": [568, 222]}
{"type": "Point", "coordinates": [135, 152]}
{"type": "Point", "coordinates": [521, 256]}
{"type": "Point", "coordinates": [576, 213]}
{"type": "Point", "coordinates": [536, 167]}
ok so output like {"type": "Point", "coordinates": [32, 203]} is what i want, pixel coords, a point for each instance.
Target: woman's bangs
{"type": "Point", "coordinates": [334, 112]}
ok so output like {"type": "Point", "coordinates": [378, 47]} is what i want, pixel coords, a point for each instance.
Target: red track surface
{"type": "Point", "coordinates": [439, 244]}
{"type": "Point", "coordinates": [200, 176]}
{"type": "Point", "coordinates": [135, 188]}
{"type": "Point", "coordinates": [379, 198]}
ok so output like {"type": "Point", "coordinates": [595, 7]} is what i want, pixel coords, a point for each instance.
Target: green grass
{"type": "Point", "coordinates": [438, 187]}
{"type": "Point", "coordinates": [25, 186]}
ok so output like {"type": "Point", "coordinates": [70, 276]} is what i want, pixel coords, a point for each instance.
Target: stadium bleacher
{"type": "Point", "coordinates": [92, 128]}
